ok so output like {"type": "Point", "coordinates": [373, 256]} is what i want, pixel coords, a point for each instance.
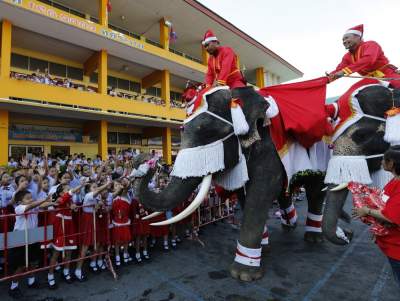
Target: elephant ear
{"type": "Point", "coordinates": [254, 108]}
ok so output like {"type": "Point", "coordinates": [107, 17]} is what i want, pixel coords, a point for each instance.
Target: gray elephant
{"type": "Point", "coordinates": [250, 165]}
{"type": "Point", "coordinates": [364, 138]}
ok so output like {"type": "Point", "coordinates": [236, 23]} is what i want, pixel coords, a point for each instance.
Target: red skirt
{"type": "Point", "coordinates": [140, 228]}
{"type": "Point", "coordinates": [87, 229]}
{"type": "Point", "coordinates": [159, 231]}
{"type": "Point", "coordinates": [47, 218]}
{"type": "Point", "coordinates": [6, 222]}
{"type": "Point", "coordinates": [121, 234]}
{"type": "Point", "coordinates": [102, 228]}
{"type": "Point", "coordinates": [64, 238]}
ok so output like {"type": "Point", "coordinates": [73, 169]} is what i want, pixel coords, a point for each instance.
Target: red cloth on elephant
{"type": "Point", "coordinates": [302, 111]}
{"type": "Point", "coordinates": [223, 68]}
{"type": "Point", "coordinates": [368, 59]}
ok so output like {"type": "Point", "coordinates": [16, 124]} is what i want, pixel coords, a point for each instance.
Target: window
{"type": "Point", "coordinates": [94, 77]}
{"type": "Point", "coordinates": [135, 87]}
{"type": "Point", "coordinates": [19, 61]}
{"type": "Point", "coordinates": [58, 69]}
{"type": "Point", "coordinates": [176, 95]}
{"type": "Point", "coordinates": [123, 84]}
{"type": "Point", "coordinates": [136, 139]}
{"type": "Point", "coordinates": [112, 81]}
{"type": "Point", "coordinates": [74, 73]}
{"type": "Point", "coordinates": [112, 138]}
{"type": "Point", "coordinates": [153, 91]}
{"type": "Point", "coordinates": [76, 13]}
{"type": "Point", "coordinates": [124, 138]}
{"type": "Point", "coordinates": [35, 64]}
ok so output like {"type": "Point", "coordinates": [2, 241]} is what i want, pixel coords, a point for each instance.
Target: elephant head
{"type": "Point", "coordinates": [203, 129]}
{"type": "Point", "coordinates": [365, 137]}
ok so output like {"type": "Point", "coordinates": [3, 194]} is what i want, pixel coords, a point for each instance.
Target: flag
{"type": "Point", "coordinates": [109, 7]}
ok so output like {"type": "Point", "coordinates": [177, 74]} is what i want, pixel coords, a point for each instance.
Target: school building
{"type": "Point", "coordinates": [101, 76]}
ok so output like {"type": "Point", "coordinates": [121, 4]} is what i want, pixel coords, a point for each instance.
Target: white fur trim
{"type": "Point", "coordinates": [353, 31]}
{"type": "Point", "coordinates": [121, 224]}
{"type": "Point", "coordinates": [240, 125]}
{"type": "Point", "coordinates": [68, 217]}
{"type": "Point", "coordinates": [295, 159]}
{"type": "Point", "coordinates": [320, 154]}
{"type": "Point", "coordinates": [236, 177]}
{"type": "Point", "coordinates": [200, 161]}
{"type": "Point", "coordinates": [273, 109]}
{"type": "Point", "coordinates": [314, 217]}
{"type": "Point", "coordinates": [250, 257]}
{"type": "Point", "coordinates": [380, 178]}
{"type": "Point", "coordinates": [209, 39]}
{"type": "Point", "coordinates": [345, 169]}
{"type": "Point", "coordinates": [385, 198]}
{"type": "Point", "coordinates": [392, 130]}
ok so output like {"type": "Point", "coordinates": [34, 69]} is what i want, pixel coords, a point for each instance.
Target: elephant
{"type": "Point", "coordinates": [211, 131]}
{"type": "Point", "coordinates": [363, 138]}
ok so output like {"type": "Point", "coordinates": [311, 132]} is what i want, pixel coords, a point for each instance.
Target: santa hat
{"type": "Point", "coordinates": [209, 36]}
{"type": "Point", "coordinates": [357, 30]}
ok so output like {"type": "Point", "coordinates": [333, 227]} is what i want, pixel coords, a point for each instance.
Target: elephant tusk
{"type": "Point", "coordinates": [325, 188]}
{"type": "Point", "coordinates": [204, 187]}
{"type": "Point", "coordinates": [340, 187]}
{"type": "Point", "coordinates": [154, 214]}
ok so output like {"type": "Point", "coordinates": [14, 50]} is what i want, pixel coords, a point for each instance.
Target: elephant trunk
{"type": "Point", "coordinates": [332, 212]}
{"type": "Point", "coordinates": [178, 191]}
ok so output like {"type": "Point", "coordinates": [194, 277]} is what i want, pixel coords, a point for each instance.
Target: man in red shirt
{"type": "Point", "coordinates": [390, 214]}
{"type": "Point", "coordinates": [223, 69]}
{"type": "Point", "coordinates": [366, 58]}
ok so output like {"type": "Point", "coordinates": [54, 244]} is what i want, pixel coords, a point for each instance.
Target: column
{"type": "Point", "coordinates": [4, 137]}
{"type": "Point", "coordinates": [167, 145]}
{"type": "Point", "coordinates": [103, 13]}
{"type": "Point", "coordinates": [102, 69]}
{"type": "Point", "coordinates": [204, 56]}
{"type": "Point", "coordinates": [102, 139]}
{"type": "Point", "coordinates": [260, 77]}
{"type": "Point", "coordinates": [164, 34]}
{"type": "Point", "coordinates": [5, 49]}
{"type": "Point", "coordinates": [165, 87]}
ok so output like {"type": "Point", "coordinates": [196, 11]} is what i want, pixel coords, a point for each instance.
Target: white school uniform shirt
{"type": "Point", "coordinates": [24, 219]}
{"type": "Point", "coordinates": [6, 194]}
{"type": "Point", "coordinates": [52, 181]}
{"type": "Point", "coordinates": [89, 200]}
{"type": "Point", "coordinates": [33, 188]}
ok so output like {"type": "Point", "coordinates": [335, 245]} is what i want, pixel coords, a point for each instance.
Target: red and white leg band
{"type": "Point", "coordinates": [314, 223]}
{"type": "Point", "coordinates": [289, 216]}
{"type": "Point", "coordinates": [265, 237]}
{"type": "Point", "coordinates": [247, 256]}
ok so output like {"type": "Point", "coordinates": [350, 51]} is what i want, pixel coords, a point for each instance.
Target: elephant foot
{"type": "Point", "coordinates": [245, 273]}
{"type": "Point", "coordinates": [289, 228]}
{"type": "Point", "coordinates": [313, 237]}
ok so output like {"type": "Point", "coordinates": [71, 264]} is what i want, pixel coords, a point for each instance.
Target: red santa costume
{"type": "Point", "coordinates": [139, 227]}
{"type": "Point", "coordinates": [367, 59]}
{"type": "Point", "coordinates": [121, 231]}
{"type": "Point", "coordinates": [64, 235]}
{"type": "Point", "coordinates": [159, 231]}
{"type": "Point", "coordinates": [222, 65]}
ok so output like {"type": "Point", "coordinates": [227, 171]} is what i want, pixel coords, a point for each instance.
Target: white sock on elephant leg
{"type": "Point", "coordinates": [265, 237]}
{"type": "Point", "coordinates": [313, 222]}
{"type": "Point", "coordinates": [289, 216]}
{"type": "Point", "coordinates": [248, 256]}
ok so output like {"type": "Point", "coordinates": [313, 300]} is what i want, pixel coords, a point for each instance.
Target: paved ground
{"type": "Point", "coordinates": [294, 271]}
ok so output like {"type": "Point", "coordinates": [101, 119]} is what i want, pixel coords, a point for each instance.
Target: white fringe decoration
{"type": "Point", "coordinates": [345, 169]}
{"type": "Point", "coordinates": [199, 161]}
{"type": "Point", "coordinates": [380, 178]}
{"type": "Point", "coordinates": [234, 178]}
{"type": "Point", "coordinates": [392, 131]}
{"type": "Point", "coordinates": [240, 125]}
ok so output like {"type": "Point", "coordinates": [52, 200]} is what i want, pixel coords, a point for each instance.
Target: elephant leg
{"type": "Point", "coordinates": [266, 180]}
{"type": "Point", "coordinates": [315, 197]}
{"type": "Point", "coordinates": [288, 211]}
{"type": "Point", "coordinates": [265, 246]}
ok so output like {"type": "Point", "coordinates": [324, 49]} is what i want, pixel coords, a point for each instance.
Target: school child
{"type": "Point", "coordinates": [140, 229]}
{"type": "Point", "coordinates": [26, 218]}
{"type": "Point", "coordinates": [87, 231]}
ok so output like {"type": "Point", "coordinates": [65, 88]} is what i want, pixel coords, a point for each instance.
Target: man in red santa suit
{"type": "Point", "coordinates": [366, 58]}
{"type": "Point", "coordinates": [223, 69]}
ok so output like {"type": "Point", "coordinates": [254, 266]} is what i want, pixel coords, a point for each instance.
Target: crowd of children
{"type": "Point", "coordinates": [92, 209]}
